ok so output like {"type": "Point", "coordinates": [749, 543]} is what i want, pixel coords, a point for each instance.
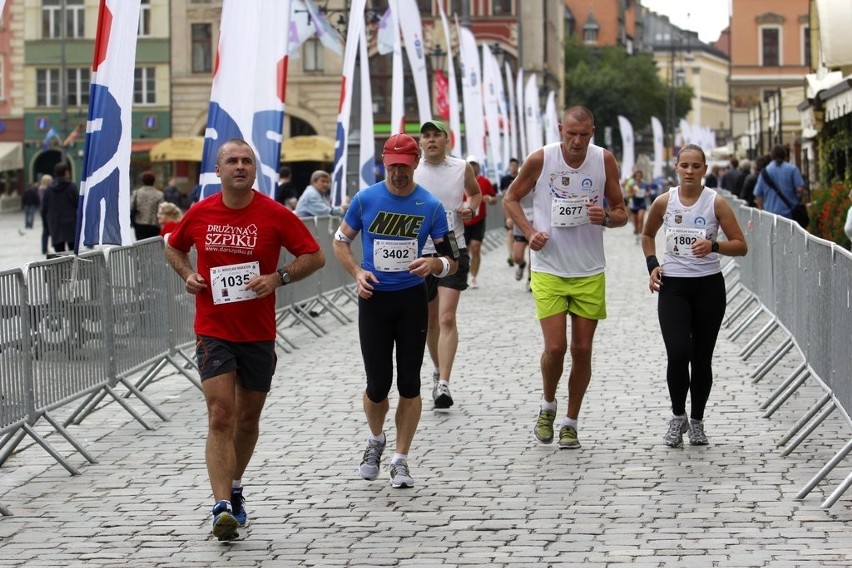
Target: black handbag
{"type": "Point", "coordinates": [800, 212]}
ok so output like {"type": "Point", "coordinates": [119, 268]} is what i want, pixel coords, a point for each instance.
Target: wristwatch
{"type": "Point", "coordinates": [607, 220]}
{"type": "Point", "coordinates": [284, 275]}
{"type": "Point", "coordinates": [714, 247]}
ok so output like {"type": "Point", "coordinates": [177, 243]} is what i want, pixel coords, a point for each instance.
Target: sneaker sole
{"type": "Point", "coordinates": [699, 443]}
{"type": "Point", "coordinates": [403, 485]}
{"type": "Point", "coordinates": [368, 477]}
{"type": "Point", "coordinates": [570, 446]}
{"type": "Point", "coordinates": [443, 402]}
{"type": "Point", "coordinates": [225, 527]}
{"type": "Point", "coordinates": [542, 440]}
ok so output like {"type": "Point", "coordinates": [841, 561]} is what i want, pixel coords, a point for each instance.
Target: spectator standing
{"type": "Point", "coordinates": [750, 181]}
{"type": "Point", "coordinates": [712, 178]}
{"type": "Point", "coordinates": [286, 193]}
{"type": "Point", "coordinates": [732, 180]}
{"type": "Point", "coordinates": [43, 184]}
{"type": "Point", "coordinates": [144, 203]}
{"type": "Point", "coordinates": [787, 180]}
{"type": "Point", "coordinates": [168, 216]}
{"type": "Point", "coordinates": [31, 202]}
{"type": "Point", "coordinates": [315, 200]}
{"type": "Point", "coordinates": [59, 208]}
{"type": "Point", "coordinates": [173, 194]}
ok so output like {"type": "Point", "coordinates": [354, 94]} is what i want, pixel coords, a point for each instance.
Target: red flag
{"type": "Point", "coordinates": [442, 103]}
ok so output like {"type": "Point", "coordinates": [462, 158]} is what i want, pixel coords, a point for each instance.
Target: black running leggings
{"type": "Point", "coordinates": [387, 319]}
{"type": "Point", "coordinates": [691, 312]}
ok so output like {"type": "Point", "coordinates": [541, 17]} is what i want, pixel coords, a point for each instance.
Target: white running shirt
{"type": "Point", "coordinates": [446, 182]}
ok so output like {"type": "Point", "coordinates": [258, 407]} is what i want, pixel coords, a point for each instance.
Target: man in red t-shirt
{"type": "Point", "coordinates": [474, 229]}
{"type": "Point", "coordinates": [238, 235]}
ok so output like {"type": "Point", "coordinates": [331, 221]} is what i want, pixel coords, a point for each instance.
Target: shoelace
{"type": "Point", "coordinates": [675, 429]}
{"type": "Point", "coordinates": [373, 452]}
{"type": "Point", "coordinates": [696, 429]}
{"type": "Point", "coordinates": [400, 468]}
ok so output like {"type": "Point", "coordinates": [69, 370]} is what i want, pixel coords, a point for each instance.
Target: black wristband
{"type": "Point", "coordinates": [714, 247]}
{"type": "Point", "coordinates": [652, 263]}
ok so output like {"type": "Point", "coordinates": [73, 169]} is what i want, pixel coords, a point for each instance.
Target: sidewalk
{"type": "Point", "coordinates": [18, 246]}
{"type": "Point", "coordinates": [485, 493]}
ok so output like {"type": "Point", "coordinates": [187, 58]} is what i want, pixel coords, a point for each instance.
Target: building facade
{"type": "Point", "coordinates": [58, 42]}
{"type": "Point", "coordinates": [770, 56]}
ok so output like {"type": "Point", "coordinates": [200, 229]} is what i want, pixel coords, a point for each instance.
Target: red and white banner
{"type": "Point", "coordinates": [442, 100]}
{"type": "Point", "coordinates": [249, 83]}
{"type": "Point", "coordinates": [103, 213]}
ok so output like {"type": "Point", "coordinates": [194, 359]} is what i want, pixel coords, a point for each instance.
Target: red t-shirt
{"type": "Point", "coordinates": [224, 236]}
{"type": "Point", "coordinates": [168, 227]}
{"type": "Point", "coordinates": [487, 188]}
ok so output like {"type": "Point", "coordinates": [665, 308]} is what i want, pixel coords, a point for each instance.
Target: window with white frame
{"type": "Point", "coordinates": [145, 18]}
{"type": "Point", "coordinates": [53, 24]}
{"type": "Point", "coordinates": [313, 55]}
{"type": "Point", "coordinates": [770, 46]}
{"type": "Point", "coordinates": [47, 87]}
{"type": "Point", "coordinates": [145, 86]}
{"type": "Point", "coordinates": [78, 83]}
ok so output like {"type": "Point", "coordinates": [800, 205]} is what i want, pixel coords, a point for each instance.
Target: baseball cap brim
{"type": "Point", "coordinates": [391, 159]}
{"type": "Point", "coordinates": [434, 124]}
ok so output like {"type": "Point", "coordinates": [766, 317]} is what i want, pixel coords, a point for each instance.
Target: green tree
{"type": "Point", "coordinates": [612, 83]}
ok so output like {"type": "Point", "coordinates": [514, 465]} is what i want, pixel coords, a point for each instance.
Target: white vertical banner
{"type": "Point", "coordinates": [532, 114]}
{"type": "Point", "coordinates": [344, 107]}
{"type": "Point", "coordinates": [686, 135]}
{"type": "Point", "coordinates": [300, 29]}
{"type": "Point", "coordinates": [523, 148]}
{"type": "Point", "coordinates": [505, 130]}
{"type": "Point", "coordinates": [471, 93]}
{"type": "Point", "coordinates": [367, 149]}
{"type": "Point", "coordinates": [513, 115]}
{"type": "Point", "coordinates": [657, 130]}
{"type": "Point", "coordinates": [390, 42]}
{"type": "Point", "coordinates": [103, 211]}
{"type": "Point", "coordinates": [455, 118]}
{"type": "Point", "coordinates": [412, 35]}
{"type": "Point", "coordinates": [551, 119]}
{"type": "Point", "coordinates": [628, 159]}
{"type": "Point", "coordinates": [493, 162]}
{"type": "Point", "coordinates": [252, 51]}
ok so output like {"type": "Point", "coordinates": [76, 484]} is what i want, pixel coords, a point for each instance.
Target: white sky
{"type": "Point", "coordinates": [707, 17]}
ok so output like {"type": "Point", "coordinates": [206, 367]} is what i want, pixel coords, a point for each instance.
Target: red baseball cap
{"type": "Point", "coordinates": [400, 149]}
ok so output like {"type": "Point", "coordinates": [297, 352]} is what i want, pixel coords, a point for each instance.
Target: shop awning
{"type": "Point", "coordinates": [186, 149]}
{"type": "Point", "coordinates": [142, 146]}
{"type": "Point", "coordinates": [307, 149]}
{"type": "Point", "coordinates": [835, 21]}
{"type": "Point", "coordinates": [11, 156]}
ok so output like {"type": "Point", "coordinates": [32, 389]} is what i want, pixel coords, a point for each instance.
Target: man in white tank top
{"type": "Point", "coordinates": [576, 193]}
{"type": "Point", "coordinates": [449, 179]}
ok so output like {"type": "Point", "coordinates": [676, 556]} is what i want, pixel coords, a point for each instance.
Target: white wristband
{"type": "Point", "coordinates": [445, 270]}
{"type": "Point", "coordinates": [339, 236]}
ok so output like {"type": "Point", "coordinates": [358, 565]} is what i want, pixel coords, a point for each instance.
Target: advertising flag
{"type": "Point", "coordinates": [344, 108]}
{"type": "Point", "coordinates": [472, 93]}
{"type": "Point", "coordinates": [513, 116]}
{"type": "Point", "coordinates": [367, 153]}
{"type": "Point", "coordinates": [326, 33]}
{"type": "Point", "coordinates": [628, 159]}
{"type": "Point", "coordinates": [657, 129]}
{"type": "Point", "coordinates": [551, 119]}
{"type": "Point", "coordinates": [412, 35]}
{"type": "Point", "coordinates": [532, 112]}
{"type": "Point", "coordinates": [442, 100]}
{"type": "Point", "coordinates": [103, 212]}
{"type": "Point", "coordinates": [247, 96]}
{"type": "Point", "coordinates": [453, 103]}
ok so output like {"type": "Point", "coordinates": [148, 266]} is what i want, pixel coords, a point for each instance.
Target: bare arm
{"type": "Point", "coordinates": [473, 193]}
{"type": "Point", "coordinates": [343, 251]}
{"type": "Point", "coordinates": [653, 222]}
{"type": "Point", "coordinates": [614, 198]}
{"type": "Point", "coordinates": [179, 261]}
{"type": "Point", "coordinates": [736, 244]}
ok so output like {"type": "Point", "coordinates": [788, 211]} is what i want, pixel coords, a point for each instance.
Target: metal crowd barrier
{"type": "Point", "coordinates": [803, 285]}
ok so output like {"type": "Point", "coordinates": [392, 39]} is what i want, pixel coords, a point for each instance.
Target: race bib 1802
{"type": "Point", "coordinates": [679, 240]}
